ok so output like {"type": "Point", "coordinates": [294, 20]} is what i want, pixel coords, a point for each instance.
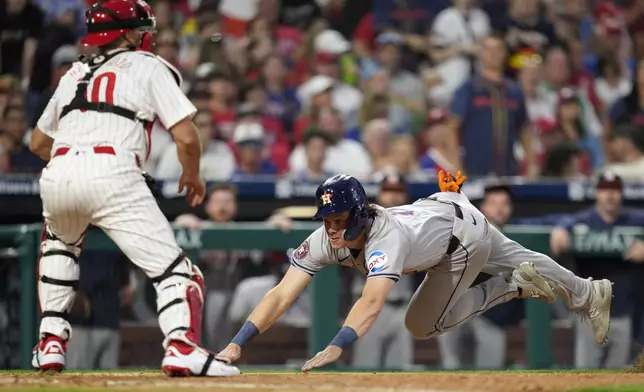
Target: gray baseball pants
{"type": "Point", "coordinates": [445, 300]}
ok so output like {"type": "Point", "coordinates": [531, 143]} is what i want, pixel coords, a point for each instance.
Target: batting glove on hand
{"type": "Point", "coordinates": [449, 183]}
{"type": "Point", "coordinates": [152, 184]}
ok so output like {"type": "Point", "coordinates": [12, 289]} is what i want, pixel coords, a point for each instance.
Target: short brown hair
{"type": "Point", "coordinates": [497, 188]}
{"type": "Point", "coordinates": [221, 186]}
{"type": "Point", "coordinates": [313, 133]}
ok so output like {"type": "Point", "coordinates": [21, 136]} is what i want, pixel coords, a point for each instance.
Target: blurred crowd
{"type": "Point", "coordinates": [308, 88]}
{"type": "Point", "coordinates": [388, 90]}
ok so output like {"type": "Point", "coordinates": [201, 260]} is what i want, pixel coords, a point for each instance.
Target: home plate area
{"type": "Point", "coordinates": [366, 382]}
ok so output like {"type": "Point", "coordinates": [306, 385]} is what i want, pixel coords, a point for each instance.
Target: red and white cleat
{"type": "Point", "coordinates": [183, 360]}
{"type": "Point", "coordinates": [49, 354]}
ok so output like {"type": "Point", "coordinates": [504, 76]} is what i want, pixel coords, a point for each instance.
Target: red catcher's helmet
{"type": "Point", "coordinates": [108, 20]}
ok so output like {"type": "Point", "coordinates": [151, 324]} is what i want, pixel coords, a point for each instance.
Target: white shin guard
{"type": "Point", "coordinates": [58, 274]}
{"type": "Point", "coordinates": [180, 302]}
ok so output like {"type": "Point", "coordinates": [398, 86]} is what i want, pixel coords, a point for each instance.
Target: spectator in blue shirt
{"type": "Point", "coordinates": [497, 206]}
{"type": "Point", "coordinates": [282, 102]}
{"type": "Point", "coordinates": [54, 8]}
{"type": "Point", "coordinates": [58, 33]}
{"type": "Point", "coordinates": [411, 19]}
{"type": "Point", "coordinates": [489, 115]}
{"type": "Point", "coordinates": [607, 214]}
{"type": "Point", "coordinates": [249, 140]}
{"type": "Point", "coordinates": [408, 16]}
{"type": "Point", "coordinates": [14, 125]}
{"type": "Point", "coordinates": [606, 35]}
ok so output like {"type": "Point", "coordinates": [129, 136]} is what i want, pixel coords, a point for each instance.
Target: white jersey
{"type": "Point", "coordinates": [401, 240]}
{"type": "Point", "coordinates": [134, 80]}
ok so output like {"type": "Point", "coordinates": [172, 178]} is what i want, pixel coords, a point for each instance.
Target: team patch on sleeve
{"type": "Point", "coordinates": [302, 251]}
{"type": "Point", "coordinates": [377, 261]}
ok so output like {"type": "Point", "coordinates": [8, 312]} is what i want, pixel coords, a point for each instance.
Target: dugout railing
{"type": "Point", "coordinates": [325, 286]}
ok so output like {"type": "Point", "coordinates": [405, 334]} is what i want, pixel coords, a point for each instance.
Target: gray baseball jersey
{"type": "Point", "coordinates": [401, 240]}
{"type": "Point", "coordinates": [416, 237]}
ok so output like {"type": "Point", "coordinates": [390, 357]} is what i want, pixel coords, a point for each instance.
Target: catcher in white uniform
{"type": "Point", "coordinates": [444, 235]}
{"type": "Point", "coordinates": [95, 133]}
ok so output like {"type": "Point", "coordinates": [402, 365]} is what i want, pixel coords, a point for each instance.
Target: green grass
{"type": "Point", "coordinates": [623, 388]}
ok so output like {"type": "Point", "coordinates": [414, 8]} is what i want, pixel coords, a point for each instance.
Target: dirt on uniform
{"type": "Point", "coordinates": [330, 382]}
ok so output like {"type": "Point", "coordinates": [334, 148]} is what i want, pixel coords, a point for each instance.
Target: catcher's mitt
{"type": "Point", "coordinates": [152, 184]}
{"type": "Point", "coordinates": [449, 183]}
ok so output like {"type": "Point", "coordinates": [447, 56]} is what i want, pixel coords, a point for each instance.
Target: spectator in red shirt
{"type": "Point", "coordinates": [436, 139]}
{"type": "Point", "coordinates": [549, 136]}
{"type": "Point", "coordinates": [364, 37]}
{"type": "Point", "coordinates": [320, 89]}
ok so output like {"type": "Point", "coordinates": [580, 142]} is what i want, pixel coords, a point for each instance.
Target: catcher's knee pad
{"type": "Point", "coordinates": [58, 274]}
{"type": "Point", "coordinates": [180, 297]}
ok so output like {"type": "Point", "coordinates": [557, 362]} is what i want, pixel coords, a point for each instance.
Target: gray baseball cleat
{"type": "Point", "coordinates": [532, 284]}
{"type": "Point", "coordinates": [599, 310]}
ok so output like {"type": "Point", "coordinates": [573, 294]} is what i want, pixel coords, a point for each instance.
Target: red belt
{"type": "Point", "coordinates": [97, 150]}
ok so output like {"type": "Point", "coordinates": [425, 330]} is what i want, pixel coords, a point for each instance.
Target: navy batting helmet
{"type": "Point", "coordinates": [343, 193]}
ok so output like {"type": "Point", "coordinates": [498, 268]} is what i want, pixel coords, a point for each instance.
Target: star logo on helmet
{"type": "Point", "coordinates": [326, 198]}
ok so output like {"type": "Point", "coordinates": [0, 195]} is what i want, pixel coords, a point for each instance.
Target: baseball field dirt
{"type": "Point", "coordinates": [328, 382]}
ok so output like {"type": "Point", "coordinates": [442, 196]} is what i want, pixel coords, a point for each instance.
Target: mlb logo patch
{"type": "Point", "coordinates": [377, 261]}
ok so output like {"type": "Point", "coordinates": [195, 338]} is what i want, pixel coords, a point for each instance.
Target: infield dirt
{"type": "Point", "coordinates": [331, 382]}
